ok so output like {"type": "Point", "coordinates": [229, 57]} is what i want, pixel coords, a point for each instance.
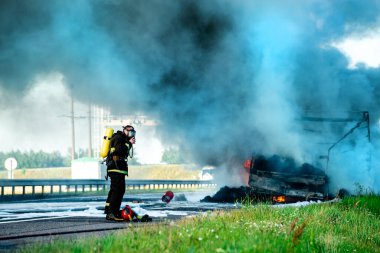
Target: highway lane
{"type": "Point", "coordinates": [25, 222]}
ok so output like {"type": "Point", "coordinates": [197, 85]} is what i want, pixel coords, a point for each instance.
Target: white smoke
{"type": "Point", "coordinates": [225, 79]}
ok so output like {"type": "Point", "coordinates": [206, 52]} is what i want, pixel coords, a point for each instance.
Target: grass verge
{"type": "Point", "coordinates": [328, 227]}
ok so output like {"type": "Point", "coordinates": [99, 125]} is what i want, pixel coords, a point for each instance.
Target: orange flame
{"type": "Point", "coordinates": [279, 199]}
{"type": "Point", "coordinates": [247, 164]}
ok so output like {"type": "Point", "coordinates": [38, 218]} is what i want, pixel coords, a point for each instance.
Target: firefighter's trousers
{"type": "Point", "coordinates": [116, 193]}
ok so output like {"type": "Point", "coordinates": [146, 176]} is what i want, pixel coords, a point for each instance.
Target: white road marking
{"type": "Point", "coordinates": [46, 218]}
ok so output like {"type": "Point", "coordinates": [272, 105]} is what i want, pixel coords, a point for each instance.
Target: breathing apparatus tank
{"type": "Point", "coordinates": [106, 142]}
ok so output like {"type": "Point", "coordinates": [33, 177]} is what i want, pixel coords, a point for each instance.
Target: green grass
{"type": "Point", "coordinates": [329, 227]}
{"type": "Point", "coordinates": [370, 202]}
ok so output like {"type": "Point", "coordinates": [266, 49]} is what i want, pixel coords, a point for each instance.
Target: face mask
{"type": "Point", "coordinates": [131, 133]}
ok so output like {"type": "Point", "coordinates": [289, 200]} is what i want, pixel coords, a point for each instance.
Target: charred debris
{"type": "Point", "coordinates": [281, 180]}
{"type": "Point", "coordinates": [277, 179]}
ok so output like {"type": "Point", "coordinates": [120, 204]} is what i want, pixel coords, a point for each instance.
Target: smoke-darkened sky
{"type": "Point", "coordinates": [224, 78]}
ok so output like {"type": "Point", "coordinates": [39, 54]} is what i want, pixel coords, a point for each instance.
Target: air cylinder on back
{"type": "Point", "coordinates": [106, 142]}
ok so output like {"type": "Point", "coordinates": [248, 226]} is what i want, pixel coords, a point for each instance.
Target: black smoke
{"type": "Point", "coordinates": [224, 78]}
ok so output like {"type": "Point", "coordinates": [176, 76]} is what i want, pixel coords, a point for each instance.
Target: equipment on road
{"type": "Point", "coordinates": [168, 196]}
{"type": "Point", "coordinates": [106, 142]}
{"type": "Point", "coordinates": [126, 213]}
{"type": "Point", "coordinates": [129, 214]}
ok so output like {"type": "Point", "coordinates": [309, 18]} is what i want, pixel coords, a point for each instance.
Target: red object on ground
{"type": "Point", "coordinates": [127, 213]}
{"type": "Point", "coordinates": [168, 196]}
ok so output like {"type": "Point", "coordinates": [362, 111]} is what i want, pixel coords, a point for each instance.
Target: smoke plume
{"type": "Point", "coordinates": [226, 79]}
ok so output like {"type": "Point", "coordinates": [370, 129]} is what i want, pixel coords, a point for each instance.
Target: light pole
{"type": "Point", "coordinates": [89, 132]}
{"type": "Point", "coordinates": [72, 129]}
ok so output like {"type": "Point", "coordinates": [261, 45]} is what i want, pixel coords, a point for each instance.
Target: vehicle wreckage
{"type": "Point", "coordinates": [280, 178]}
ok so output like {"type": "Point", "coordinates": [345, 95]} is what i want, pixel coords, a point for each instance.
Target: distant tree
{"type": "Point", "coordinates": [2, 160]}
{"type": "Point", "coordinates": [32, 159]}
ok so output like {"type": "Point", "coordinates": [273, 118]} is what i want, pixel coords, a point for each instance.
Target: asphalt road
{"type": "Point", "coordinates": [19, 234]}
{"type": "Point", "coordinates": [26, 222]}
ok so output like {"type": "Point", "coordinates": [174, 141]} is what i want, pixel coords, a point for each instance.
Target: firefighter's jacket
{"type": "Point", "coordinates": [119, 151]}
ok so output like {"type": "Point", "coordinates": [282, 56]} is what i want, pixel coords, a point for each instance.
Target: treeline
{"type": "Point", "coordinates": [41, 159]}
{"type": "Point", "coordinates": [32, 159]}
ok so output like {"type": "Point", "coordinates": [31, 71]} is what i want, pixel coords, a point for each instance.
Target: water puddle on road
{"type": "Point", "coordinates": [151, 204]}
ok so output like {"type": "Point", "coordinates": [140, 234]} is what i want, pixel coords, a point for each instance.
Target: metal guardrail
{"type": "Point", "coordinates": [43, 186]}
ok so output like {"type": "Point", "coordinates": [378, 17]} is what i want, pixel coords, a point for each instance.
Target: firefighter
{"type": "Point", "coordinates": [117, 168]}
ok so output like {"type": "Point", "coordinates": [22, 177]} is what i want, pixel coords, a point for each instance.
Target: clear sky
{"type": "Point", "coordinates": [362, 49]}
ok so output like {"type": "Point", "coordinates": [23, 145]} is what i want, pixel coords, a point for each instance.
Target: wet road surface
{"type": "Point", "coordinates": [31, 221]}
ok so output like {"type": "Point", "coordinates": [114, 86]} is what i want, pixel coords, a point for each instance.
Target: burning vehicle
{"type": "Point", "coordinates": [282, 180]}
{"type": "Point", "coordinates": [277, 179]}
{"type": "Point", "coordinates": [285, 181]}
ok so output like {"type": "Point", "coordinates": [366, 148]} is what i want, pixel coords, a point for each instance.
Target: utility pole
{"type": "Point", "coordinates": [72, 129]}
{"type": "Point", "coordinates": [89, 131]}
